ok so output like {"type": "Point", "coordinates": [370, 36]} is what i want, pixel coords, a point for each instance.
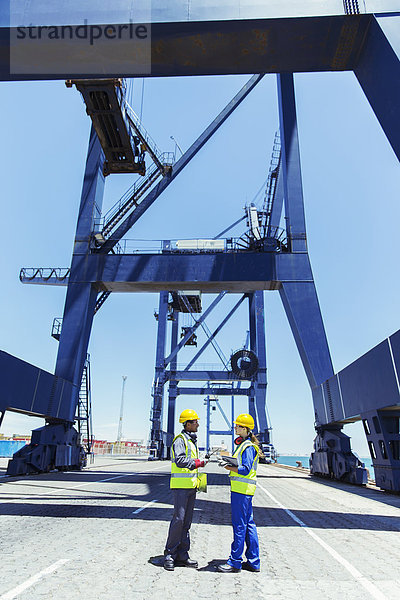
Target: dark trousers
{"type": "Point", "coordinates": [178, 542]}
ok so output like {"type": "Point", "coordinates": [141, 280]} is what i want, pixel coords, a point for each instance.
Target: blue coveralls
{"type": "Point", "coordinates": [244, 528]}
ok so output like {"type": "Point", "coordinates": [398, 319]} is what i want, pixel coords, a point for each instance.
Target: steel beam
{"type": "Point", "coordinates": [258, 345]}
{"type": "Point", "coordinates": [237, 272]}
{"type": "Point", "coordinates": [253, 347]}
{"type": "Point", "coordinates": [28, 390]}
{"type": "Point", "coordinates": [302, 309]}
{"type": "Point", "coordinates": [172, 388]}
{"type": "Point", "coordinates": [290, 165]}
{"type": "Point", "coordinates": [81, 295]}
{"type": "Point", "coordinates": [368, 389]}
{"type": "Point", "coordinates": [198, 47]}
{"type": "Point", "coordinates": [159, 379]}
{"type": "Point", "coordinates": [369, 383]}
{"type": "Point", "coordinates": [299, 296]}
{"type": "Point", "coordinates": [378, 71]}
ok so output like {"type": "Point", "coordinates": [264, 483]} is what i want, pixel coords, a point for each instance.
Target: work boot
{"type": "Point", "coordinates": [193, 564]}
{"type": "Point", "coordinates": [169, 564]}
{"type": "Point", "coordinates": [248, 567]}
{"type": "Point", "coordinates": [227, 569]}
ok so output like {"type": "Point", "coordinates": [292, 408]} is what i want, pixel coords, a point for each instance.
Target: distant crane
{"type": "Point", "coordinates": [121, 412]}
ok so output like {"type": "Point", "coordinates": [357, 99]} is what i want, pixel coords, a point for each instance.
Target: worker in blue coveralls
{"type": "Point", "coordinates": [243, 485]}
{"type": "Point", "coordinates": [185, 463]}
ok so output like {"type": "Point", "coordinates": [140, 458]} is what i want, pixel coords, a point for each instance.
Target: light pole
{"type": "Point", "coordinates": [176, 144]}
{"type": "Point", "coordinates": [121, 412]}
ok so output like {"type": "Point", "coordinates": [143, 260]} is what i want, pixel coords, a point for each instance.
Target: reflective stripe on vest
{"type": "Point", "coordinates": [184, 478]}
{"type": "Point", "coordinates": [244, 484]}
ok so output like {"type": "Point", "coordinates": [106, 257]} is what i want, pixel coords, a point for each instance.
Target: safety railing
{"type": "Point", "coordinates": [46, 274]}
{"type": "Point", "coordinates": [132, 196]}
{"type": "Point", "coordinates": [130, 193]}
{"type": "Point", "coordinates": [201, 367]}
{"type": "Point", "coordinates": [56, 327]}
{"type": "Point", "coordinates": [184, 246]}
{"type": "Point", "coordinates": [143, 133]}
{"type": "Point", "coordinates": [127, 246]}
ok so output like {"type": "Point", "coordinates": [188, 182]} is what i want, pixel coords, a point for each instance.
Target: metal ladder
{"type": "Point", "coordinates": [132, 196]}
{"type": "Point", "coordinates": [84, 411]}
{"type": "Point", "coordinates": [272, 181]}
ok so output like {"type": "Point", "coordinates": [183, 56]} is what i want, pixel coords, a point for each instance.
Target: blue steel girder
{"type": "Point", "coordinates": [81, 295]}
{"type": "Point", "coordinates": [159, 379]}
{"type": "Point", "coordinates": [239, 272]}
{"type": "Point", "coordinates": [369, 389]}
{"type": "Point", "coordinates": [299, 296]}
{"type": "Point", "coordinates": [378, 72]}
{"type": "Point", "coordinates": [302, 309]}
{"type": "Point", "coordinates": [258, 345]}
{"type": "Point", "coordinates": [172, 393]}
{"type": "Point", "coordinates": [369, 383]}
{"type": "Point", "coordinates": [229, 45]}
{"type": "Point", "coordinates": [28, 390]}
{"type": "Point", "coordinates": [253, 346]}
{"type": "Point", "coordinates": [290, 165]}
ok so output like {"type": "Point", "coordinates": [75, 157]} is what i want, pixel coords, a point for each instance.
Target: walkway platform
{"type": "Point", "coordinates": [93, 534]}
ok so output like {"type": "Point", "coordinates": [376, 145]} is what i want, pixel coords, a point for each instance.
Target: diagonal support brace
{"type": "Point", "coordinates": [180, 165]}
{"type": "Point", "coordinates": [193, 329]}
{"type": "Point", "coordinates": [220, 326]}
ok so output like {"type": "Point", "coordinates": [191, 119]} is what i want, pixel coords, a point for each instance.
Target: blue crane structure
{"type": "Point", "coordinates": [245, 365]}
{"type": "Point", "coordinates": [189, 43]}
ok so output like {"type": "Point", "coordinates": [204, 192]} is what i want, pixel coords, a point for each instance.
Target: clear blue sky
{"type": "Point", "coordinates": [351, 185]}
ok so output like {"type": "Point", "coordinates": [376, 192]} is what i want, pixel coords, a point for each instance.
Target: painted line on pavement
{"type": "Point", "coordinates": [366, 583]}
{"type": "Point", "coordinates": [32, 580]}
{"type": "Point", "coordinates": [139, 510]}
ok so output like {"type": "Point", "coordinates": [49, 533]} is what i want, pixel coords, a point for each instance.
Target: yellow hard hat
{"type": "Point", "coordinates": [188, 415]}
{"type": "Point", "coordinates": [245, 420]}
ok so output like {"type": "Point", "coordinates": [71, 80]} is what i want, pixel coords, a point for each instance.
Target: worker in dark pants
{"type": "Point", "coordinates": [184, 481]}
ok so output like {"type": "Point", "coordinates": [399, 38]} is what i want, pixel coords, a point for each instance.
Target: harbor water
{"type": "Point", "coordinates": [292, 460]}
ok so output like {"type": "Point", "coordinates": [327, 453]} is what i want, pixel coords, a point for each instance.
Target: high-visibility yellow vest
{"type": "Point", "coordinates": [244, 484]}
{"type": "Point", "coordinates": [184, 478]}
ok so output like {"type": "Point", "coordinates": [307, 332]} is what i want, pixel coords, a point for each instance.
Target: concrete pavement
{"type": "Point", "coordinates": [91, 535]}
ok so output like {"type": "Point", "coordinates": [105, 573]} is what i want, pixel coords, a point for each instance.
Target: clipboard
{"type": "Point", "coordinates": [230, 461]}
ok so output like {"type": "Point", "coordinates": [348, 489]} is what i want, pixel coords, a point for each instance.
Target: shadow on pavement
{"type": "Point", "coordinates": [213, 564]}
{"type": "Point", "coordinates": [206, 511]}
{"type": "Point", "coordinates": [158, 561]}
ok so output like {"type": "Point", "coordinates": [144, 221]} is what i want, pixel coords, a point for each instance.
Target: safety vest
{"type": "Point", "coordinates": [184, 478]}
{"type": "Point", "coordinates": [244, 484]}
